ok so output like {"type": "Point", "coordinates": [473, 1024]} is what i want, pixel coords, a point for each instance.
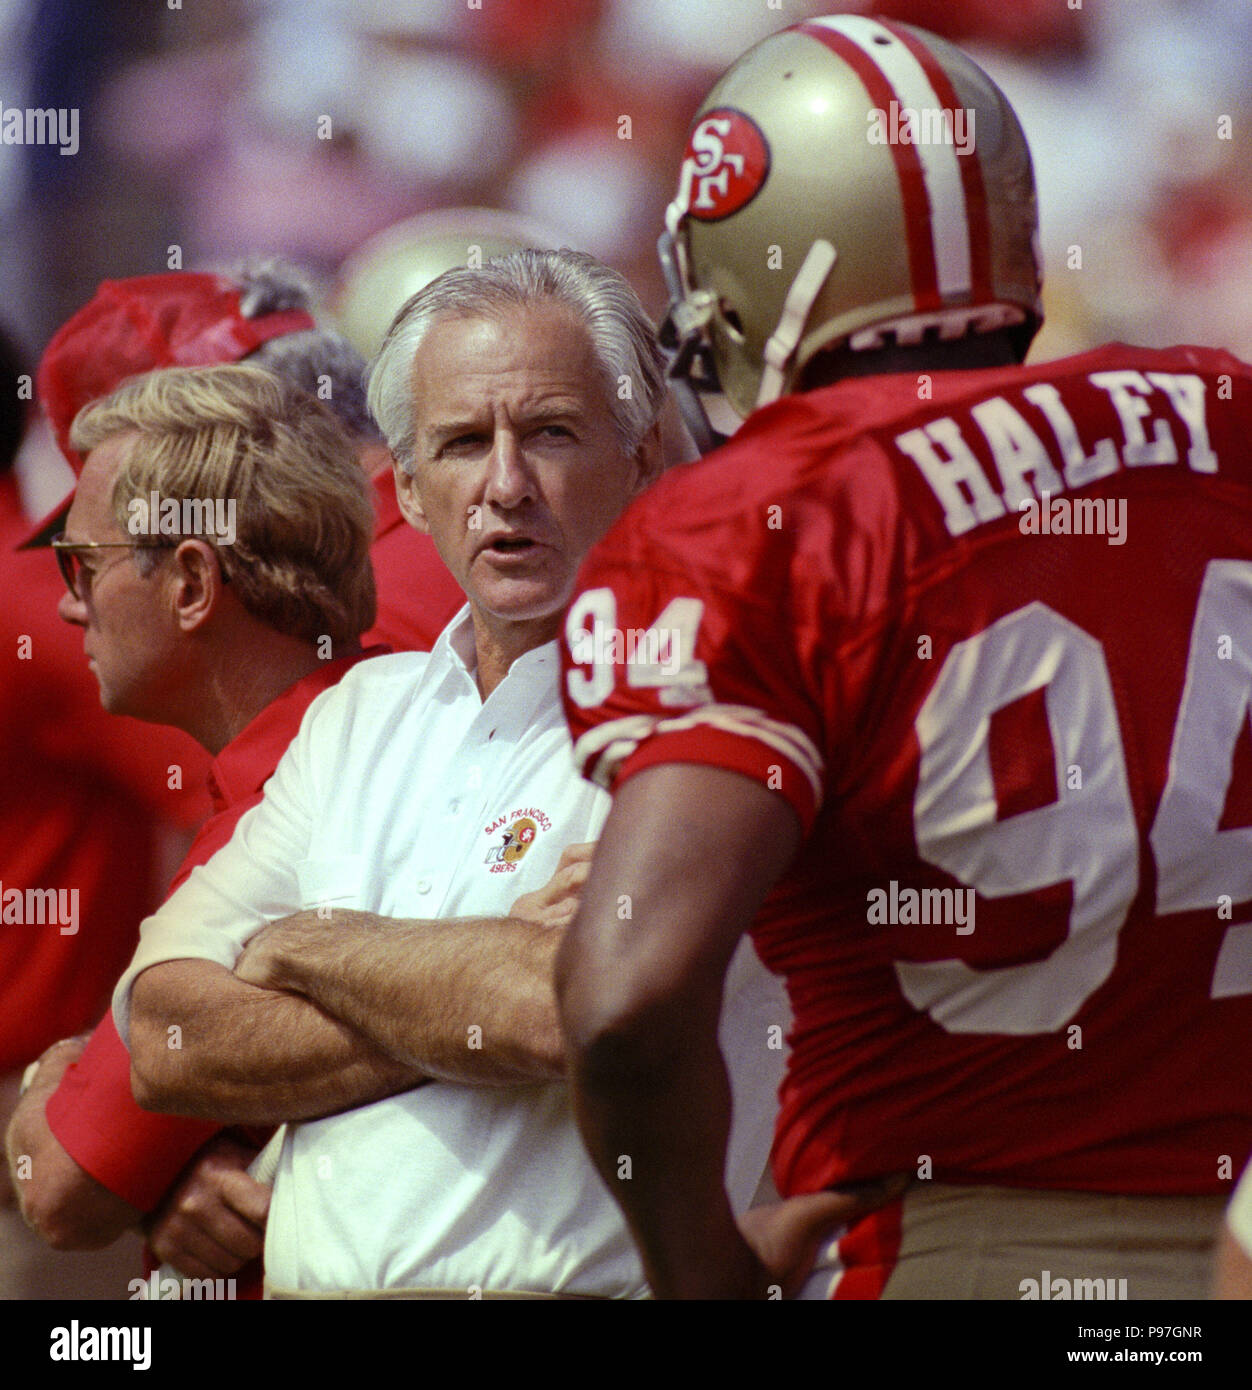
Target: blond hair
{"type": "Point", "coordinates": [299, 561]}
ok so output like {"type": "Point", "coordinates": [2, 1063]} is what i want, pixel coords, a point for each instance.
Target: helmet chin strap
{"type": "Point", "coordinates": [705, 435]}
{"type": "Point", "coordinates": [692, 375]}
{"type": "Point", "coordinates": [782, 345]}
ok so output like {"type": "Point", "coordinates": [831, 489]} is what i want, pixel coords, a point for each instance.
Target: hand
{"type": "Point", "coordinates": [786, 1237]}
{"type": "Point", "coordinates": [272, 957]}
{"type": "Point", "coordinates": [212, 1221]}
{"type": "Point", "coordinates": [45, 1077]}
{"type": "Point", "coordinates": [555, 904]}
{"type": "Point", "coordinates": [56, 1059]}
{"type": "Point", "coordinates": [263, 959]}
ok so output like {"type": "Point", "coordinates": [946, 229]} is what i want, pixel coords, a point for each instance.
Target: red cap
{"type": "Point", "coordinates": [180, 319]}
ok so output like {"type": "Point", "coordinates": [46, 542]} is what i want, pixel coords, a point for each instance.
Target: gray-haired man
{"type": "Point", "coordinates": [418, 848]}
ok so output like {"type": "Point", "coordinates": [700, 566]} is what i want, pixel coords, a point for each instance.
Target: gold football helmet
{"type": "Point", "coordinates": [392, 266]}
{"type": "Point", "coordinates": [847, 183]}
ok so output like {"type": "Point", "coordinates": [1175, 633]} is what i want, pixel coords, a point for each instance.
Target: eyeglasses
{"type": "Point", "coordinates": [79, 577]}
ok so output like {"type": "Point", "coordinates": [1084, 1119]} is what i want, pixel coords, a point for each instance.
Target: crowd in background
{"type": "Point", "coordinates": [300, 127]}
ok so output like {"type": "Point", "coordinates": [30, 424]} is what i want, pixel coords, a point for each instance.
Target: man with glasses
{"type": "Point", "coordinates": [81, 566]}
{"type": "Point", "coordinates": [82, 794]}
{"type": "Point", "coordinates": [228, 635]}
{"type": "Point", "coordinates": [97, 1145]}
{"type": "Point", "coordinates": [77, 574]}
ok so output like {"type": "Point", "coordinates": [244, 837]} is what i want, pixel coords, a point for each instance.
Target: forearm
{"type": "Point", "coordinates": [640, 1000]}
{"type": "Point", "coordinates": [206, 1044]}
{"type": "Point", "coordinates": [59, 1200]}
{"type": "Point", "coordinates": [656, 1120]}
{"type": "Point", "coordinates": [468, 1000]}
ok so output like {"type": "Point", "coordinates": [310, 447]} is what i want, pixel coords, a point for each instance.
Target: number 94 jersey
{"type": "Point", "coordinates": [989, 633]}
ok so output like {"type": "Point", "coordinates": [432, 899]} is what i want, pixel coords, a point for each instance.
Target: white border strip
{"type": "Point", "coordinates": [603, 749]}
{"type": "Point", "coordinates": [940, 167]}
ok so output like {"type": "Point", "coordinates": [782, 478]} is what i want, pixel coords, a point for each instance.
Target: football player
{"type": "Point", "coordinates": [937, 677]}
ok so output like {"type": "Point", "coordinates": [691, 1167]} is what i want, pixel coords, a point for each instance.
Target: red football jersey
{"type": "Point", "coordinates": [990, 635]}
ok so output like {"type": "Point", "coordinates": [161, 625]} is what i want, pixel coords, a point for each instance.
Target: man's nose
{"type": "Point", "coordinates": [72, 609]}
{"type": "Point", "coordinates": [510, 481]}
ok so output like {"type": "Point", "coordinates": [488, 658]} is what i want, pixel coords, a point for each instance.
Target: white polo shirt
{"type": "Point", "coordinates": [406, 794]}
{"type": "Point", "coordinates": [1239, 1213]}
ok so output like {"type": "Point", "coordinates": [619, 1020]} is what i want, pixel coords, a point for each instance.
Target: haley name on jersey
{"type": "Point", "coordinates": [990, 635]}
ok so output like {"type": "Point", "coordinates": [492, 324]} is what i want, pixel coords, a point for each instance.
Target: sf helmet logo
{"type": "Point", "coordinates": [725, 165]}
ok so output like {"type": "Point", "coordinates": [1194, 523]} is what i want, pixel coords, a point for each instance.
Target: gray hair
{"type": "Point", "coordinates": [622, 336]}
{"type": "Point", "coordinates": [319, 357]}
{"type": "Point", "coordinates": [270, 284]}
{"type": "Point", "coordinates": [312, 357]}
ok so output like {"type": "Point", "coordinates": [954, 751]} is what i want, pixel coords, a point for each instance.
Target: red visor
{"type": "Point", "coordinates": [180, 319]}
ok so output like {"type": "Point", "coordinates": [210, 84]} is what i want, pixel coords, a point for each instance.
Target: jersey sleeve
{"type": "Point", "coordinates": [665, 663]}
{"type": "Point", "coordinates": [134, 1153]}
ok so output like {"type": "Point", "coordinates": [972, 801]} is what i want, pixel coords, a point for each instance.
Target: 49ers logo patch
{"type": "Point", "coordinates": [726, 163]}
{"type": "Point", "coordinates": [517, 832]}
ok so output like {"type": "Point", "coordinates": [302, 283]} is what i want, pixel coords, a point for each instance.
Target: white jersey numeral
{"type": "Point", "coordinates": [661, 656]}
{"type": "Point", "coordinates": [594, 686]}
{"type": "Point", "coordinates": [665, 655]}
{"type": "Point", "coordinates": [1088, 835]}
{"type": "Point", "coordinates": [1197, 864]}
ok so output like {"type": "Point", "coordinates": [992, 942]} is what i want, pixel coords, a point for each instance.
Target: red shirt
{"type": "Point", "coordinates": [134, 1153]}
{"type": "Point", "coordinates": [85, 794]}
{"type": "Point", "coordinates": [1016, 937]}
{"type": "Point", "coordinates": [417, 595]}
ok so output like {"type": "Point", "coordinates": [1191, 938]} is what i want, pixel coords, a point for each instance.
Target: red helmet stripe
{"type": "Point", "coordinates": [970, 166]}
{"type": "Point", "coordinates": [917, 209]}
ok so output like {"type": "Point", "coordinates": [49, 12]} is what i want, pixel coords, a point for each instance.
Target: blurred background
{"type": "Point", "coordinates": [209, 131]}
{"type": "Point", "coordinates": [301, 127]}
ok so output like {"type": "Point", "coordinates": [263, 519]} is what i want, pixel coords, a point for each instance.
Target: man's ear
{"type": "Point", "coordinates": [408, 499]}
{"type": "Point", "coordinates": [649, 460]}
{"type": "Point", "coordinates": [198, 583]}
